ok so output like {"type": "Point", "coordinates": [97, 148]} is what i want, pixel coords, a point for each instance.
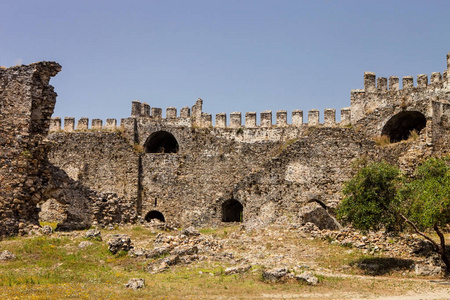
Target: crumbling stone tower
{"type": "Point", "coordinates": [382, 108]}
{"type": "Point", "coordinates": [27, 102]}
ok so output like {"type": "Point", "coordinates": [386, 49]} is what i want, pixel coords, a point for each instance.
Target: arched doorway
{"type": "Point", "coordinates": [161, 142]}
{"type": "Point", "coordinates": [232, 211]}
{"type": "Point", "coordinates": [400, 126]}
{"type": "Point", "coordinates": [154, 214]}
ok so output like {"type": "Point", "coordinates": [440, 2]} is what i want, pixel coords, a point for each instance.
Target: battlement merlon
{"type": "Point", "coordinates": [448, 61]}
{"type": "Point", "coordinates": [377, 94]}
{"type": "Point", "coordinates": [372, 84]}
{"type": "Point", "coordinates": [447, 79]}
{"type": "Point", "coordinates": [204, 120]}
{"type": "Point", "coordinates": [82, 125]}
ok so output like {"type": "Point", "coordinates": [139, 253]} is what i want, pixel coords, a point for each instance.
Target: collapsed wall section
{"type": "Point", "coordinates": [383, 108]}
{"type": "Point", "coordinates": [26, 105]}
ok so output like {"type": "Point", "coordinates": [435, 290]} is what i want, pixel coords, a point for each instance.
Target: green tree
{"type": "Point", "coordinates": [370, 198]}
{"type": "Point", "coordinates": [377, 197]}
{"type": "Point", "coordinates": [426, 202]}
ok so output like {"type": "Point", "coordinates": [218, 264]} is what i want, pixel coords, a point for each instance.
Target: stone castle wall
{"type": "Point", "coordinates": [26, 105]}
{"type": "Point", "coordinates": [182, 169]}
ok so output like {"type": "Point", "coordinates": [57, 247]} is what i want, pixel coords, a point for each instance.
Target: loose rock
{"type": "Point", "coordinates": [237, 270]}
{"type": "Point", "coordinates": [84, 244]}
{"type": "Point", "coordinates": [47, 230]}
{"type": "Point", "coordinates": [119, 242]}
{"type": "Point", "coordinates": [308, 278]}
{"type": "Point", "coordinates": [94, 234]}
{"type": "Point", "coordinates": [7, 255]}
{"type": "Point", "coordinates": [275, 275]}
{"type": "Point", "coordinates": [135, 283]}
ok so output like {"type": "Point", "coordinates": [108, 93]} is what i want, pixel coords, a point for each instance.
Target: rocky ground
{"type": "Point", "coordinates": [282, 247]}
{"type": "Point", "coordinates": [279, 254]}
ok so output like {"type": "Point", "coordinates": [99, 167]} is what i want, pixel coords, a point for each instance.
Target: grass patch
{"type": "Point", "coordinates": [51, 224]}
{"type": "Point", "coordinates": [54, 267]}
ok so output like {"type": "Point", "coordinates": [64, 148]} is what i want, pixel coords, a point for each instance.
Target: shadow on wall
{"type": "Point", "coordinates": [65, 202]}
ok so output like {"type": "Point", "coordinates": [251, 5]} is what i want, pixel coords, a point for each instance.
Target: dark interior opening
{"type": "Point", "coordinates": [400, 126]}
{"type": "Point", "coordinates": [161, 142]}
{"type": "Point", "coordinates": [232, 211]}
{"type": "Point", "coordinates": [154, 214]}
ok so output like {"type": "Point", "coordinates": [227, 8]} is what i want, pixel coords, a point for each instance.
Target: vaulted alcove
{"type": "Point", "coordinates": [400, 126]}
{"type": "Point", "coordinates": [161, 142]}
{"type": "Point", "coordinates": [154, 214]}
{"type": "Point", "coordinates": [232, 211]}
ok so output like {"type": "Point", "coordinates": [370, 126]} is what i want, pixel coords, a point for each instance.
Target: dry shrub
{"type": "Point", "coordinates": [413, 135]}
{"type": "Point", "coordinates": [382, 140]}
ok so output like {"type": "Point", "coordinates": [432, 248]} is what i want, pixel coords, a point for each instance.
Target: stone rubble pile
{"type": "Point", "coordinates": [408, 246]}
{"type": "Point", "coordinates": [135, 283]}
{"type": "Point", "coordinates": [188, 246]}
{"type": "Point", "coordinates": [119, 242]}
{"type": "Point", "coordinates": [47, 230]}
{"type": "Point", "coordinates": [94, 234]}
{"type": "Point", "coordinates": [156, 224]}
{"type": "Point", "coordinates": [283, 274]}
{"type": "Point", "coordinates": [397, 245]}
{"type": "Point", "coordinates": [7, 255]}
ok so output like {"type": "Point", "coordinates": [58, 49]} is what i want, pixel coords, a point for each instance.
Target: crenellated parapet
{"type": "Point", "coordinates": [200, 119]}
{"type": "Point", "coordinates": [56, 124]}
{"type": "Point", "coordinates": [372, 107]}
{"type": "Point", "coordinates": [380, 93]}
{"type": "Point", "coordinates": [384, 107]}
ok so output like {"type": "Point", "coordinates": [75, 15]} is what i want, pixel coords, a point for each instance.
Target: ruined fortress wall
{"type": "Point", "coordinates": [311, 169]}
{"type": "Point", "coordinates": [190, 187]}
{"type": "Point", "coordinates": [102, 161]}
{"type": "Point", "coordinates": [187, 170]}
{"type": "Point", "coordinates": [272, 178]}
{"type": "Point", "coordinates": [373, 108]}
{"type": "Point", "coordinates": [104, 168]}
{"type": "Point", "coordinates": [26, 104]}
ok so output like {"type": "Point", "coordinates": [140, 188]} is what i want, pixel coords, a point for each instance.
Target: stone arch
{"type": "Point", "coordinates": [161, 142]}
{"type": "Point", "coordinates": [399, 127]}
{"type": "Point", "coordinates": [154, 214]}
{"type": "Point", "coordinates": [318, 202]}
{"type": "Point", "coordinates": [232, 211]}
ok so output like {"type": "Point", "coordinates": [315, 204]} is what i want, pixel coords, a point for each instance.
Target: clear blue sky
{"type": "Point", "coordinates": [236, 55]}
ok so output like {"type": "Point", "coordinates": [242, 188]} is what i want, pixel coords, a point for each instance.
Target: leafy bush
{"type": "Point", "coordinates": [370, 198]}
{"type": "Point", "coordinates": [378, 197]}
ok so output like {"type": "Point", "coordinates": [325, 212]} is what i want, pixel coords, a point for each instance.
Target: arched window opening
{"type": "Point", "coordinates": [400, 126]}
{"type": "Point", "coordinates": [232, 211]}
{"type": "Point", "coordinates": [161, 142]}
{"type": "Point", "coordinates": [154, 214]}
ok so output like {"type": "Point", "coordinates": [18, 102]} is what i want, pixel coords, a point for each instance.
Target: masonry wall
{"type": "Point", "coordinates": [103, 161]}
{"type": "Point", "coordinates": [106, 166]}
{"type": "Point", "coordinates": [182, 166]}
{"type": "Point", "coordinates": [26, 104]}
{"type": "Point", "coordinates": [382, 99]}
{"type": "Point", "coordinates": [189, 187]}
